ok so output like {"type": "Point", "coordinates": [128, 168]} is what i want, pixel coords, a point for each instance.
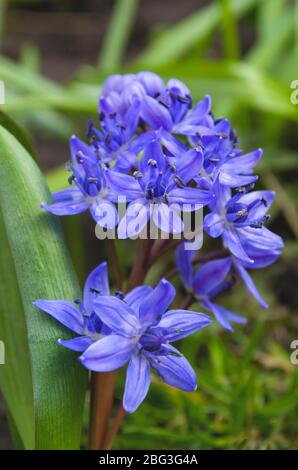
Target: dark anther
{"type": "Point", "coordinates": [91, 179]}
{"type": "Point", "coordinates": [77, 301]}
{"type": "Point", "coordinates": [102, 116]}
{"type": "Point", "coordinates": [179, 181]}
{"type": "Point", "coordinates": [71, 179]}
{"type": "Point", "coordinates": [263, 201]}
{"type": "Point", "coordinates": [149, 193]}
{"type": "Point", "coordinates": [137, 174]}
{"type": "Point", "coordinates": [113, 115]}
{"type": "Point", "coordinates": [95, 291]}
{"type": "Point", "coordinates": [152, 162]}
{"type": "Point", "coordinates": [119, 294]}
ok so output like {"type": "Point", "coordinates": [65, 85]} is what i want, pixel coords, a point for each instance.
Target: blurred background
{"type": "Point", "coordinates": [244, 53]}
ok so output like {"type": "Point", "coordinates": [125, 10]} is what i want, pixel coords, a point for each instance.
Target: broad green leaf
{"type": "Point", "coordinates": [16, 130]}
{"type": "Point", "coordinates": [47, 379]}
{"type": "Point", "coordinates": [178, 39]}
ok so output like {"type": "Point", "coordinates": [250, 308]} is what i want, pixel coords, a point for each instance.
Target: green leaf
{"type": "Point", "coordinates": [43, 384]}
{"type": "Point", "coordinates": [177, 40]}
{"type": "Point", "coordinates": [118, 34]}
{"type": "Point", "coordinates": [16, 130]}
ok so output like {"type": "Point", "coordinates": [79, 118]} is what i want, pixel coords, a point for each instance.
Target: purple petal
{"type": "Point", "coordinates": [213, 225]}
{"type": "Point", "coordinates": [152, 83]}
{"type": "Point", "coordinates": [260, 238]}
{"type": "Point", "coordinates": [177, 324]}
{"type": "Point", "coordinates": [233, 241]}
{"type": "Point", "coordinates": [193, 196]}
{"type": "Point", "coordinates": [250, 285]}
{"type": "Point", "coordinates": [189, 165]}
{"type": "Point", "coordinates": [184, 263]}
{"type": "Point", "coordinates": [135, 297]}
{"type": "Point", "coordinates": [68, 201]}
{"type": "Point", "coordinates": [167, 219]}
{"type": "Point", "coordinates": [175, 370]}
{"type": "Point", "coordinates": [134, 220]}
{"type": "Point", "coordinates": [157, 302]}
{"type": "Point", "coordinates": [124, 185]}
{"type": "Point", "coordinates": [156, 115]}
{"type": "Point", "coordinates": [97, 283]}
{"type": "Point", "coordinates": [79, 344]}
{"type": "Point", "coordinates": [108, 353]}
{"type": "Point", "coordinates": [233, 180]}
{"type": "Point", "coordinates": [224, 316]}
{"type": "Point", "coordinates": [104, 213]}
{"type": "Point", "coordinates": [116, 314]}
{"type": "Point", "coordinates": [137, 382]}
{"type": "Point", "coordinates": [64, 312]}
{"type": "Point", "coordinates": [243, 163]}
{"type": "Point", "coordinates": [210, 275]}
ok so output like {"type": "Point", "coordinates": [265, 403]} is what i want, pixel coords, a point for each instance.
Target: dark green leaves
{"type": "Point", "coordinates": [43, 384]}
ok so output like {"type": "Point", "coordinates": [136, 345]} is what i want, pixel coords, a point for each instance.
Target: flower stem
{"type": "Point", "coordinates": [102, 391]}
{"type": "Point", "coordinates": [140, 266]}
{"type": "Point", "coordinates": [120, 415]}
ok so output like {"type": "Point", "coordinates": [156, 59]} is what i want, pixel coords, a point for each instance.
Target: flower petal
{"type": "Point", "coordinates": [116, 314]}
{"type": "Point", "coordinates": [249, 284]}
{"type": "Point", "coordinates": [174, 369]}
{"type": "Point", "coordinates": [64, 312]}
{"type": "Point", "coordinates": [210, 275]}
{"type": "Point", "coordinates": [135, 219]}
{"type": "Point", "coordinates": [79, 344]}
{"type": "Point", "coordinates": [137, 382]}
{"type": "Point", "coordinates": [104, 213]}
{"type": "Point", "coordinates": [124, 185]}
{"type": "Point", "coordinates": [107, 354]}
{"type": "Point", "coordinates": [167, 219]}
{"type": "Point", "coordinates": [184, 263]}
{"type": "Point", "coordinates": [213, 225]}
{"type": "Point", "coordinates": [157, 302]}
{"type": "Point", "coordinates": [135, 297]}
{"type": "Point", "coordinates": [177, 324]}
{"type": "Point", "coordinates": [156, 115]}
{"type": "Point", "coordinates": [68, 201]}
{"type": "Point", "coordinates": [233, 241]}
{"type": "Point", "coordinates": [224, 316]}
{"type": "Point", "coordinates": [97, 283]}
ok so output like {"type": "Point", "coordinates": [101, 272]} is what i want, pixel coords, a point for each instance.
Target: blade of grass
{"type": "Point", "coordinates": [118, 33]}
{"type": "Point", "coordinates": [231, 40]}
{"type": "Point", "coordinates": [178, 39]}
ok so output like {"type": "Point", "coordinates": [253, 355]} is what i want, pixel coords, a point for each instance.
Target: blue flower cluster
{"type": "Point", "coordinates": [160, 152]}
{"type": "Point", "coordinates": [136, 328]}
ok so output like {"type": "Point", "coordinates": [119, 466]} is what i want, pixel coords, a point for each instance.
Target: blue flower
{"type": "Point", "coordinates": [82, 319]}
{"type": "Point", "coordinates": [261, 258]}
{"type": "Point", "coordinates": [206, 283]}
{"type": "Point", "coordinates": [90, 190]}
{"type": "Point", "coordinates": [142, 331]}
{"type": "Point", "coordinates": [158, 189]}
{"type": "Point", "coordinates": [224, 161]}
{"type": "Point", "coordinates": [240, 219]}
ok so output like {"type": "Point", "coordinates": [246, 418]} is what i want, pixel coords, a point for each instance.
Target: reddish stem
{"type": "Point", "coordinates": [120, 415]}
